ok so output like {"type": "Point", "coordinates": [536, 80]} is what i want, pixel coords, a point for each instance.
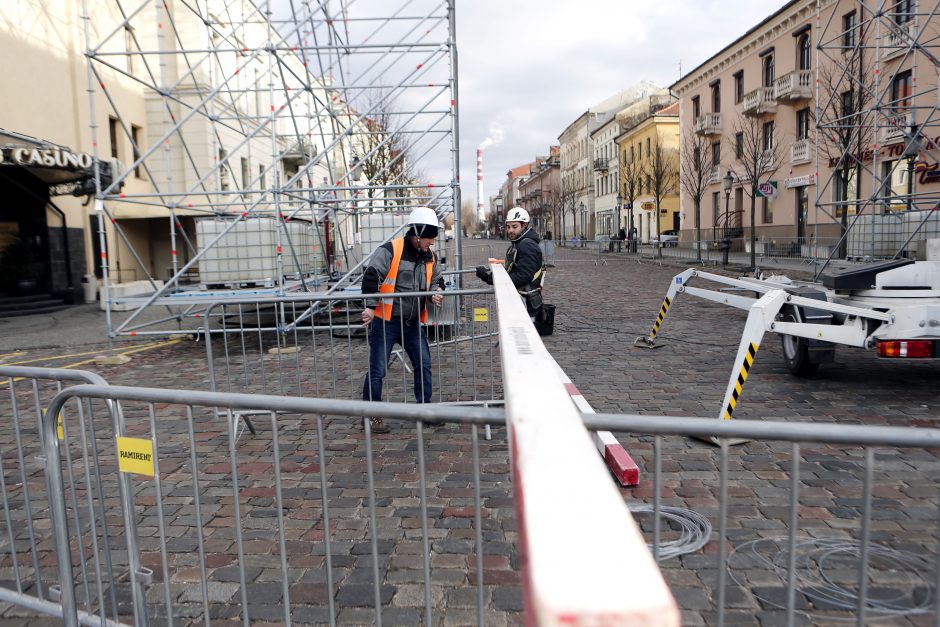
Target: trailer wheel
{"type": "Point", "coordinates": [796, 353]}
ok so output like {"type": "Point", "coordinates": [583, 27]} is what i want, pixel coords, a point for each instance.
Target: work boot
{"type": "Point", "coordinates": [377, 425]}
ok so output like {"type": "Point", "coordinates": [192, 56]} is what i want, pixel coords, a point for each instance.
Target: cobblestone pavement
{"type": "Point", "coordinates": [601, 309]}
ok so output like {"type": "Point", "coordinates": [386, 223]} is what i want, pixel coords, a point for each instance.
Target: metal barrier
{"type": "Point", "coordinates": [874, 561]}
{"type": "Point", "coordinates": [316, 345]}
{"type": "Point", "coordinates": [105, 543]}
{"type": "Point", "coordinates": [312, 521]}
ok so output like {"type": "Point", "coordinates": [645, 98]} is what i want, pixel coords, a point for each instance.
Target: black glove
{"type": "Point", "coordinates": [485, 274]}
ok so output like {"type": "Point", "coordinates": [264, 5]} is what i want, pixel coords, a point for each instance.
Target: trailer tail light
{"type": "Point", "coordinates": [922, 349]}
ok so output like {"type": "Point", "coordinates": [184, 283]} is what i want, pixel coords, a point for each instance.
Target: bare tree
{"type": "Point", "coordinates": [662, 168]}
{"type": "Point", "coordinates": [468, 218]}
{"type": "Point", "coordinates": [384, 146]}
{"type": "Point", "coordinates": [695, 173]}
{"type": "Point", "coordinates": [567, 201]}
{"type": "Point", "coordinates": [759, 159]}
{"type": "Point", "coordinates": [631, 174]}
{"type": "Point", "coordinates": [845, 121]}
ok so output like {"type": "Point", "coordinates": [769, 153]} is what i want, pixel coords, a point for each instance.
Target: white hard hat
{"type": "Point", "coordinates": [517, 214]}
{"type": "Point", "coordinates": [423, 222]}
{"type": "Point", "coordinates": [423, 215]}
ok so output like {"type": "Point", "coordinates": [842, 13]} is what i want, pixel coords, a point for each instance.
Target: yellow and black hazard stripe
{"type": "Point", "coordinates": [662, 315]}
{"type": "Point", "coordinates": [742, 377]}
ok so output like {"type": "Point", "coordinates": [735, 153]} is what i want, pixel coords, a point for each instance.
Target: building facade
{"type": "Point", "coordinates": [539, 192]}
{"type": "Point", "coordinates": [803, 176]}
{"type": "Point", "coordinates": [649, 170]}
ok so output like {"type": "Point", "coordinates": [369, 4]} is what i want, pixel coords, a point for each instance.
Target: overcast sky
{"type": "Point", "coordinates": [532, 67]}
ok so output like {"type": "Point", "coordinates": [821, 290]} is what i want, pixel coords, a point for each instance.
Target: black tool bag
{"type": "Point", "coordinates": [545, 319]}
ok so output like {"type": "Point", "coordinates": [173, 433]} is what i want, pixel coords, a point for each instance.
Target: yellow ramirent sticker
{"type": "Point", "coordinates": [481, 314]}
{"type": "Point", "coordinates": [135, 455]}
{"type": "Point", "coordinates": [58, 426]}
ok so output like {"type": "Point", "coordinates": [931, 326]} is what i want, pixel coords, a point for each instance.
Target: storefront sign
{"type": "Point", "coordinates": [648, 206]}
{"type": "Point", "coordinates": [767, 189]}
{"type": "Point", "coordinates": [800, 181]}
{"type": "Point", "coordinates": [45, 157]}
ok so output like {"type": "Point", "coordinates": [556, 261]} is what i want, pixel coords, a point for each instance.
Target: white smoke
{"type": "Point", "coordinates": [495, 136]}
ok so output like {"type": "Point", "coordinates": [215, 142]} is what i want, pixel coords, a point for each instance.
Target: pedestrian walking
{"type": "Point", "coordinates": [523, 261]}
{"type": "Point", "coordinates": [405, 264]}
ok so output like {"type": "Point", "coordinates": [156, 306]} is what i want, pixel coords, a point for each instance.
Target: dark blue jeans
{"type": "Point", "coordinates": [383, 335]}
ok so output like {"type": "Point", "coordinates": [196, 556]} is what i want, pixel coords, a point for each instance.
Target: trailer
{"type": "Point", "coordinates": [891, 307]}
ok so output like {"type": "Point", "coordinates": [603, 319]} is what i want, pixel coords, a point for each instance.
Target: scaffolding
{"type": "Point", "coordinates": [261, 134]}
{"type": "Point", "coordinates": [877, 126]}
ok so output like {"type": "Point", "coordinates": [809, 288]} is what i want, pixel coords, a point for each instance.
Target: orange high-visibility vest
{"type": "Point", "coordinates": [384, 309]}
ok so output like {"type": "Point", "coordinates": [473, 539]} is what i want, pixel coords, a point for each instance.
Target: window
{"type": "Point", "coordinates": [261, 184]}
{"type": "Point", "coordinates": [245, 174]}
{"type": "Point", "coordinates": [739, 146]}
{"type": "Point", "coordinates": [802, 123]}
{"type": "Point", "coordinates": [769, 70]}
{"type": "Point", "coordinates": [136, 138]}
{"type": "Point", "coordinates": [649, 186]}
{"type": "Point", "coordinates": [767, 210]}
{"type": "Point", "coordinates": [768, 136]}
{"type": "Point", "coordinates": [716, 206]}
{"type": "Point", "coordinates": [901, 90]}
{"type": "Point", "coordinates": [130, 48]}
{"type": "Point", "coordinates": [894, 174]}
{"type": "Point", "coordinates": [631, 153]}
{"type": "Point", "coordinates": [845, 191]}
{"type": "Point", "coordinates": [223, 170]}
{"type": "Point", "coordinates": [113, 136]}
{"type": "Point", "coordinates": [738, 86]}
{"type": "Point", "coordinates": [849, 26]}
{"type": "Point", "coordinates": [804, 51]}
{"type": "Point", "coordinates": [903, 11]}
{"type": "Point", "coordinates": [848, 105]}
{"type": "Point", "coordinates": [697, 158]}
{"type": "Point", "coordinates": [696, 109]}
{"type": "Point", "coordinates": [716, 154]}
{"type": "Point", "coordinates": [648, 151]}
{"type": "Point", "coordinates": [716, 98]}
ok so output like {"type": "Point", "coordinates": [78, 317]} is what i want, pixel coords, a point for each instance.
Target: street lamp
{"type": "Point", "coordinates": [726, 183]}
{"type": "Point", "coordinates": [580, 236]}
{"type": "Point", "coordinates": [619, 240]}
{"type": "Point", "coordinates": [911, 150]}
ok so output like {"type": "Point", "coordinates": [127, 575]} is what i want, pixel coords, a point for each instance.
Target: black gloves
{"type": "Point", "coordinates": [485, 274]}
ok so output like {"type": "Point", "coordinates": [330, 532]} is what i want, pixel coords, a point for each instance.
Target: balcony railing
{"type": "Point", "coordinates": [602, 164]}
{"type": "Point", "coordinates": [708, 124]}
{"type": "Point", "coordinates": [796, 85]}
{"type": "Point", "coordinates": [760, 101]}
{"type": "Point", "coordinates": [801, 151]}
{"type": "Point", "coordinates": [898, 38]}
{"type": "Point", "coordinates": [896, 124]}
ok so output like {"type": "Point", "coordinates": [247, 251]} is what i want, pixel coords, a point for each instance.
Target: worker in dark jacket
{"type": "Point", "coordinates": [406, 264]}
{"type": "Point", "coordinates": [523, 260]}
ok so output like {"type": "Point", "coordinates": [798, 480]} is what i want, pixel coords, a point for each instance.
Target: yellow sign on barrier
{"type": "Point", "coordinates": [481, 314]}
{"type": "Point", "coordinates": [135, 455]}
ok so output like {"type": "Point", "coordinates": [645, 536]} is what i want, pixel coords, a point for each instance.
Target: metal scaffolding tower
{"type": "Point", "coordinates": [877, 125]}
{"type": "Point", "coordinates": [260, 134]}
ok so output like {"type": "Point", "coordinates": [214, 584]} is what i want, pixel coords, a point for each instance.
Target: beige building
{"type": "Point", "coordinates": [649, 167]}
{"type": "Point", "coordinates": [752, 106]}
{"type": "Point", "coordinates": [217, 144]}
{"type": "Point", "coordinates": [538, 192]}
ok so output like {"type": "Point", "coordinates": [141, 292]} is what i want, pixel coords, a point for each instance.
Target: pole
{"type": "Point", "coordinates": [910, 182]}
{"type": "Point", "coordinates": [726, 242]}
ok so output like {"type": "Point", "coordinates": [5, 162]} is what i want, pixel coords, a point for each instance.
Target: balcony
{"type": "Point", "coordinates": [760, 101]}
{"type": "Point", "coordinates": [794, 86]}
{"type": "Point", "coordinates": [708, 124]}
{"type": "Point", "coordinates": [801, 151]}
{"type": "Point", "coordinates": [602, 164]}
{"type": "Point", "coordinates": [898, 38]}
{"type": "Point", "coordinates": [714, 175]}
{"type": "Point", "coordinates": [895, 125]}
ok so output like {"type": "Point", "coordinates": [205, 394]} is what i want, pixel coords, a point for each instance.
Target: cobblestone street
{"type": "Point", "coordinates": [601, 309]}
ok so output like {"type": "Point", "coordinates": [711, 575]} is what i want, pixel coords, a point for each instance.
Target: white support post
{"type": "Point", "coordinates": [584, 560]}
